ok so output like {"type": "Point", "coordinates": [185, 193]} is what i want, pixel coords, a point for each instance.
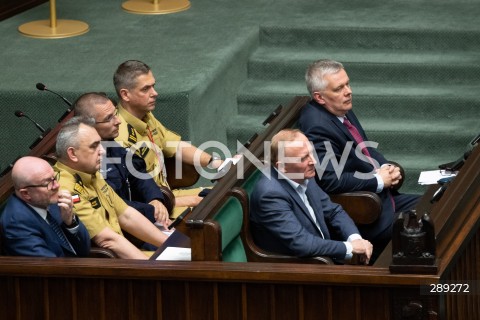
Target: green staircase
{"type": "Point", "coordinates": [416, 92]}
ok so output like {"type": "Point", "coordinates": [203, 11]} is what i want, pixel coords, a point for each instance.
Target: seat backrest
{"type": "Point", "coordinates": [230, 217]}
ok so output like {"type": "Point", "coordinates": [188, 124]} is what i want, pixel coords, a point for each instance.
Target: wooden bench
{"type": "Point", "coordinates": [105, 288]}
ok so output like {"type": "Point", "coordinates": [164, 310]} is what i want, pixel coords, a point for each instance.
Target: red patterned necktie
{"type": "Point", "coordinates": [356, 135]}
{"type": "Point", "coordinates": [358, 138]}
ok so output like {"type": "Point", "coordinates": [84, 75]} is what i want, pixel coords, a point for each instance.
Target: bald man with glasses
{"type": "Point", "coordinates": [38, 219]}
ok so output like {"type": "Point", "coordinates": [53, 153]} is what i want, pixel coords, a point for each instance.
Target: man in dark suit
{"type": "Point", "coordinates": [348, 161]}
{"type": "Point", "coordinates": [291, 215]}
{"type": "Point", "coordinates": [38, 219]}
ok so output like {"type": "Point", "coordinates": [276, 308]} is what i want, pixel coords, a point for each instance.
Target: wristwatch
{"type": "Point", "coordinates": [74, 223]}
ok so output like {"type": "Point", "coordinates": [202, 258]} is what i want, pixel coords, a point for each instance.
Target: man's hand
{"type": "Point", "coordinates": [65, 204]}
{"type": "Point", "coordinates": [161, 213]}
{"type": "Point", "coordinates": [364, 248]}
{"type": "Point", "coordinates": [390, 175]}
{"type": "Point", "coordinates": [187, 201]}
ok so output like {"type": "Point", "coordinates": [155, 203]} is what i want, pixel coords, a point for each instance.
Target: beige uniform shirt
{"type": "Point", "coordinates": [94, 201]}
{"type": "Point", "coordinates": [148, 138]}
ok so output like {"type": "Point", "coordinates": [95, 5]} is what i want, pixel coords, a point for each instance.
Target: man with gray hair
{"type": "Point", "coordinates": [329, 122]}
{"type": "Point", "coordinates": [102, 211]}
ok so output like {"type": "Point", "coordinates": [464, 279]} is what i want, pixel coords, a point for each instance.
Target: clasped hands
{"type": "Point", "coordinates": [390, 175]}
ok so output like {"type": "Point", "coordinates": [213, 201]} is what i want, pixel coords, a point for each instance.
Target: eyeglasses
{"type": "Point", "coordinates": [109, 118]}
{"type": "Point", "coordinates": [48, 185]}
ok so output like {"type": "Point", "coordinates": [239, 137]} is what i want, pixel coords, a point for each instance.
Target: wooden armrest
{"type": "Point", "coordinates": [97, 252]}
{"type": "Point", "coordinates": [363, 207]}
{"type": "Point", "coordinates": [255, 254]}
{"type": "Point", "coordinates": [169, 199]}
{"type": "Point", "coordinates": [190, 175]}
{"type": "Point", "coordinates": [402, 172]}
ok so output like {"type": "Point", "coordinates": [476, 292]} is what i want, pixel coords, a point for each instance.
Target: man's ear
{"type": "Point", "coordinates": [124, 94]}
{"type": "Point", "coordinates": [317, 96]}
{"type": "Point", "coordinates": [72, 155]}
{"type": "Point", "coordinates": [23, 194]}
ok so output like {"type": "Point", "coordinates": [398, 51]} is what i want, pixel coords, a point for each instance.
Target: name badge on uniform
{"type": "Point", "coordinates": [95, 203]}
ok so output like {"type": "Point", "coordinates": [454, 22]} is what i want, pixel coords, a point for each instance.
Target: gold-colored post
{"type": "Point", "coordinates": [53, 14]}
{"type": "Point", "coordinates": [53, 28]}
{"type": "Point", "coordinates": [155, 6]}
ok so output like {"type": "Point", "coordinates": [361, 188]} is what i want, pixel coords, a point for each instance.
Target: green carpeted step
{"type": "Point", "coordinates": [260, 97]}
{"type": "Point", "coordinates": [303, 37]}
{"type": "Point", "coordinates": [415, 91]}
{"type": "Point", "coordinates": [363, 66]}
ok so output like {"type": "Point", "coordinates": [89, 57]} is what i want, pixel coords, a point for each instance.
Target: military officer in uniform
{"type": "Point", "coordinates": [102, 211]}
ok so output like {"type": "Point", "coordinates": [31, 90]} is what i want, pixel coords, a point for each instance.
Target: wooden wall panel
{"type": "Point", "coordinates": [91, 299]}
{"type": "Point", "coordinates": [259, 302]}
{"type": "Point", "coordinates": [60, 306]}
{"type": "Point", "coordinates": [230, 301]}
{"type": "Point", "coordinates": [8, 297]}
{"type": "Point", "coordinates": [317, 300]}
{"type": "Point", "coordinates": [467, 268]}
{"type": "Point", "coordinates": [201, 300]}
{"type": "Point", "coordinates": [117, 295]}
{"type": "Point", "coordinates": [31, 298]}
{"type": "Point", "coordinates": [142, 300]}
{"type": "Point", "coordinates": [374, 304]}
{"type": "Point", "coordinates": [288, 302]}
{"type": "Point", "coordinates": [175, 303]}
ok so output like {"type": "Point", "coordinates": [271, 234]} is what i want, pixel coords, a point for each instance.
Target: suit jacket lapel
{"type": "Point", "coordinates": [55, 211]}
{"type": "Point", "coordinates": [318, 210]}
{"type": "Point", "coordinates": [293, 193]}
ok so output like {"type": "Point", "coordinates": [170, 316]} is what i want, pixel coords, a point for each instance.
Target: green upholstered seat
{"type": "Point", "coordinates": [230, 218]}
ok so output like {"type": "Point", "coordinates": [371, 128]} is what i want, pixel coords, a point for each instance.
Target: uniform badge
{"type": "Point", "coordinates": [95, 202]}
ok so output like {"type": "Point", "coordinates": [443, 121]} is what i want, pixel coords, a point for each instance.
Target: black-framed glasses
{"type": "Point", "coordinates": [48, 185]}
{"type": "Point", "coordinates": [109, 118]}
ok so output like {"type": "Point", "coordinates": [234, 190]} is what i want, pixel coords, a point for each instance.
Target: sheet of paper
{"type": "Point", "coordinates": [431, 177]}
{"type": "Point", "coordinates": [176, 254]}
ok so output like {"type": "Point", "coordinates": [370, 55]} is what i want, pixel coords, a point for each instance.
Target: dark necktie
{"type": "Point", "coordinates": [58, 230]}
{"type": "Point", "coordinates": [356, 135]}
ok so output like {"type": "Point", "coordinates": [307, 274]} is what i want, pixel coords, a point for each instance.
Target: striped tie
{"type": "Point", "coordinates": [58, 230]}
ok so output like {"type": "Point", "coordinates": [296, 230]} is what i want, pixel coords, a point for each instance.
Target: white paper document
{"type": "Point", "coordinates": [431, 177]}
{"type": "Point", "coordinates": [176, 254]}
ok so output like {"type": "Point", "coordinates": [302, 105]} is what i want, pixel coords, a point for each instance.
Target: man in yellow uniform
{"type": "Point", "coordinates": [100, 209]}
{"type": "Point", "coordinates": [134, 83]}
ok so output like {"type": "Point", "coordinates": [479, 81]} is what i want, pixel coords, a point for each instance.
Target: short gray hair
{"type": "Point", "coordinates": [314, 76]}
{"type": "Point", "coordinates": [67, 136]}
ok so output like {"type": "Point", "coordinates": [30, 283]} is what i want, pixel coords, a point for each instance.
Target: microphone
{"type": "Point", "coordinates": [20, 114]}
{"type": "Point", "coordinates": [40, 86]}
